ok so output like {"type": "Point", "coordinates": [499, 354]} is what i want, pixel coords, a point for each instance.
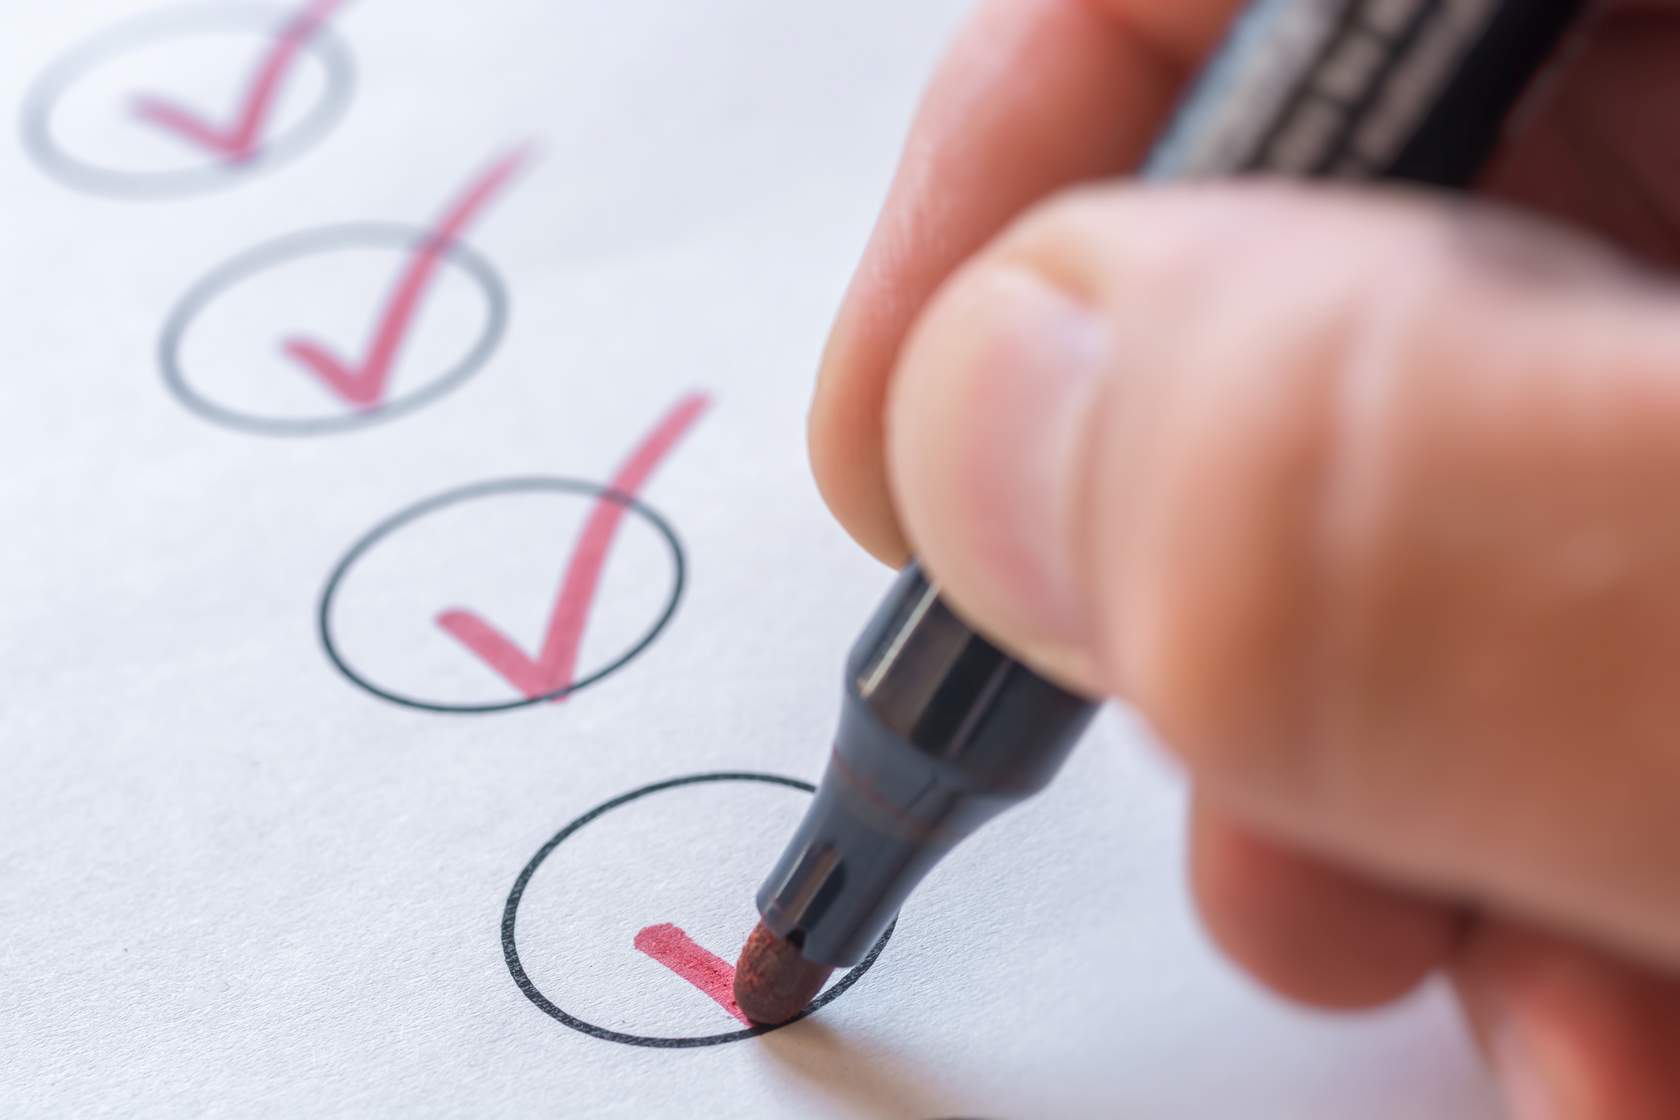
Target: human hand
{"type": "Point", "coordinates": [1366, 499]}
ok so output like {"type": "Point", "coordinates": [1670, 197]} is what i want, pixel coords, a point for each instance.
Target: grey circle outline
{"type": "Point", "coordinates": [39, 100]}
{"type": "Point", "coordinates": [288, 247]}
{"type": "Point", "coordinates": [516, 895]}
{"type": "Point", "coordinates": [417, 510]}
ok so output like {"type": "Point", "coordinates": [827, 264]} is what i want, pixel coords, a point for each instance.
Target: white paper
{"type": "Point", "coordinates": [235, 882]}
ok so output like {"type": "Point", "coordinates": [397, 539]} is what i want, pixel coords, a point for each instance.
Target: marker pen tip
{"type": "Point", "coordinates": [773, 980]}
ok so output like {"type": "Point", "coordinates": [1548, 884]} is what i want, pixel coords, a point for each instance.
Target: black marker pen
{"type": "Point", "coordinates": [940, 730]}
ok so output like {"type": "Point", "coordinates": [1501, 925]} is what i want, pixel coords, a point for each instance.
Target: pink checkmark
{"type": "Point", "coordinates": [362, 384]}
{"type": "Point", "coordinates": [678, 952]}
{"type": "Point", "coordinates": [239, 141]}
{"type": "Point", "coordinates": [553, 669]}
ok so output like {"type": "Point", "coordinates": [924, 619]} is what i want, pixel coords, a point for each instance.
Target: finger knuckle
{"type": "Point", "coordinates": [1266, 589]}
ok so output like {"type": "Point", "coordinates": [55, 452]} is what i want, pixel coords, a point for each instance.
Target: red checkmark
{"type": "Point", "coordinates": [552, 670]}
{"type": "Point", "coordinates": [362, 384]}
{"type": "Point", "coordinates": [678, 952]}
{"type": "Point", "coordinates": [240, 141]}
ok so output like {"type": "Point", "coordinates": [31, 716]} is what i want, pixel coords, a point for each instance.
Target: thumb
{"type": "Point", "coordinates": [1369, 505]}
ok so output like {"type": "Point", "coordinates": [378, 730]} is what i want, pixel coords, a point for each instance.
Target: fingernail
{"type": "Point", "coordinates": [996, 411]}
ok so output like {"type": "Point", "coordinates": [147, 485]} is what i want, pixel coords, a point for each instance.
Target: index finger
{"type": "Point", "coordinates": [1033, 96]}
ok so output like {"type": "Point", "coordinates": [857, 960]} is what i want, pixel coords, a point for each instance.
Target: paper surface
{"type": "Point", "coordinates": [325, 328]}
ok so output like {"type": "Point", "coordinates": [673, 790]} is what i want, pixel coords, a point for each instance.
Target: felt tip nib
{"type": "Point", "coordinates": [773, 980]}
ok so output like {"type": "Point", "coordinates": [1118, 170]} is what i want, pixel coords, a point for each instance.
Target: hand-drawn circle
{"type": "Point", "coordinates": [63, 72]}
{"type": "Point", "coordinates": [281, 250]}
{"type": "Point", "coordinates": [510, 912]}
{"type": "Point", "coordinates": [323, 614]}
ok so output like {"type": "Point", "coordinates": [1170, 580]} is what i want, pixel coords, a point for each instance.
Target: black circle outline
{"type": "Point", "coordinates": [60, 74]}
{"type": "Point", "coordinates": [510, 911]}
{"type": "Point", "coordinates": [525, 484]}
{"type": "Point", "coordinates": [302, 243]}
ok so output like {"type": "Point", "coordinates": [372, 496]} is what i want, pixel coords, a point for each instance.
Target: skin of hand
{"type": "Point", "coordinates": [1365, 499]}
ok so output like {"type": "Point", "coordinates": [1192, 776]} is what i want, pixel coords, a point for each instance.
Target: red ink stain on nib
{"type": "Point", "coordinates": [555, 666]}
{"type": "Point", "coordinates": [362, 384]}
{"type": "Point", "coordinates": [241, 140]}
{"type": "Point", "coordinates": [773, 980]}
{"type": "Point", "coordinates": [678, 952]}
